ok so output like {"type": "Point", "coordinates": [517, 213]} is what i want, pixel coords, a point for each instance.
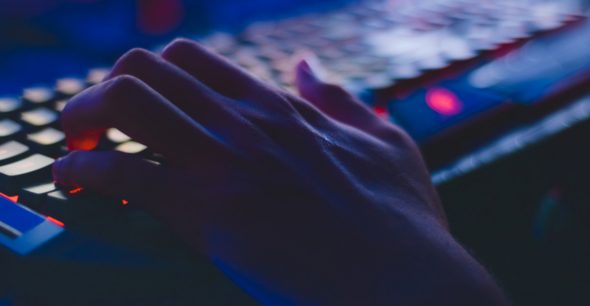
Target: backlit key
{"type": "Point", "coordinates": [47, 137]}
{"type": "Point", "coordinates": [96, 75]}
{"type": "Point", "coordinates": [11, 150]}
{"type": "Point", "coordinates": [39, 117]}
{"type": "Point", "coordinates": [116, 136]}
{"type": "Point", "coordinates": [60, 105]}
{"type": "Point", "coordinates": [68, 87]}
{"type": "Point", "coordinates": [9, 105]}
{"type": "Point", "coordinates": [9, 129]}
{"type": "Point", "coordinates": [24, 172]}
{"type": "Point", "coordinates": [38, 95]}
{"type": "Point", "coordinates": [131, 147]}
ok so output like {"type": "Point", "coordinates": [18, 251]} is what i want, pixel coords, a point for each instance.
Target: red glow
{"type": "Point", "coordinates": [443, 101]}
{"type": "Point", "coordinates": [55, 221]}
{"type": "Point", "coordinates": [160, 16]}
{"type": "Point", "coordinates": [11, 198]}
{"type": "Point", "coordinates": [381, 111]}
{"type": "Point", "coordinates": [84, 144]}
{"type": "Point", "coordinates": [124, 202]}
{"type": "Point", "coordinates": [75, 190]}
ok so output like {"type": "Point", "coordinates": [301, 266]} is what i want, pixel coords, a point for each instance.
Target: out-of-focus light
{"type": "Point", "coordinates": [443, 101]}
{"type": "Point", "coordinates": [381, 111]}
{"type": "Point", "coordinates": [159, 16]}
{"type": "Point", "coordinates": [124, 202]}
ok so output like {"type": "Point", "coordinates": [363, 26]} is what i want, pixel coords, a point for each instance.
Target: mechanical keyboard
{"type": "Point", "coordinates": [438, 68]}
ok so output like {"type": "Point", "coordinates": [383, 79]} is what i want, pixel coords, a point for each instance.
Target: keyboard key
{"type": "Point", "coordinates": [24, 172]}
{"type": "Point", "coordinates": [131, 147]}
{"type": "Point", "coordinates": [9, 129]}
{"type": "Point", "coordinates": [39, 117]}
{"type": "Point", "coordinates": [47, 137]}
{"type": "Point", "coordinates": [34, 196]}
{"type": "Point", "coordinates": [11, 150]}
{"type": "Point", "coordinates": [9, 106]}
{"type": "Point", "coordinates": [48, 140]}
{"type": "Point", "coordinates": [68, 87]}
{"type": "Point", "coordinates": [38, 95]}
{"type": "Point", "coordinates": [116, 136]}
{"type": "Point", "coordinates": [59, 205]}
{"type": "Point", "coordinates": [60, 105]}
{"type": "Point", "coordinates": [96, 75]}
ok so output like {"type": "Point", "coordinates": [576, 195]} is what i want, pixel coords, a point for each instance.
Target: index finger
{"type": "Point", "coordinates": [131, 106]}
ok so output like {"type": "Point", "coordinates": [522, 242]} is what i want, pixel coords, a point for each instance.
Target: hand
{"type": "Point", "coordinates": [301, 201]}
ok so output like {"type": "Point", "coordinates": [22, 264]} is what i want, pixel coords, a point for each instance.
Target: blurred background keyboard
{"type": "Point", "coordinates": [487, 89]}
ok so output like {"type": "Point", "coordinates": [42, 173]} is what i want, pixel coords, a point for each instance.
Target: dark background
{"type": "Point", "coordinates": [41, 40]}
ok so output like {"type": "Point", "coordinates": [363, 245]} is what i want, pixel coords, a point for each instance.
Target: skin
{"type": "Point", "coordinates": [309, 200]}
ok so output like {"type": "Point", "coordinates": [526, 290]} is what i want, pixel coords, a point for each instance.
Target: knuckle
{"type": "Point", "coordinates": [119, 90]}
{"type": "Point", "coordinates": [122, 84]}
{"type": "Point", "coordinates": [135, 57]}
{"type": "Point", "coordinates": [178, 46]}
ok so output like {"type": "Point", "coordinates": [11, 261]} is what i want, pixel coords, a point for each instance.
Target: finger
{"type": "Point", "coordinates": [109, 173]}
{"type": "Point", "coordinates": [334, 100]}
{"type": "Point", "coordinates": [176, 85]}
{"type": "Point", "coordinates": [130, 105]}
{"type": "Point", "coordinates": [214, 70]}
{"type": "Point", "coordinates": [123, 176]}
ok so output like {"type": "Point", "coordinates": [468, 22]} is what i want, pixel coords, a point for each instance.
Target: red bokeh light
{"type": "Point", "coordinates": [443, 101]}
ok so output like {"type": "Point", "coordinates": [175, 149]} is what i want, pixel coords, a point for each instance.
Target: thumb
{"type": "Point", "coordinates": [332, 99]}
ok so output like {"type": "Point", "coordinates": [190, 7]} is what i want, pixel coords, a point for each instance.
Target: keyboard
{"type": "Point", "coordinates": [437, 68]}
{"type": "Point", "coordinates": [405, 59]}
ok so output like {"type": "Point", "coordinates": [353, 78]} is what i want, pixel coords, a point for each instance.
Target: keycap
{"type": "Point", "coordinates": [60, 105]}
{"type": "Point", "coordinates": [9, 129]}
{"type": "Point", "coordinates": [39, 117]}
{"type": "Point", "coordinates": [96, 75]}
{"type": "Point", "coordinates": [9, 106]}
{"type": "Point", "coordinates": [11, 150]}
{"type": "Point", "coordinates": [60, 205]}
{"type": "Point", "coordinates": [68, 87]}
{"type": "Point", "coordinates": [24, 172]}
{"type": "Point", "coordinates": [48, 140]}
{"type": "Point", "coordinates": [34, 196]}
{"type": "Point", "coordinates": [116, 136]}
{"type": "Point", "coordinates": [47, 137]}
{"type": "Point", "coordinates": [131, 147]}
{"type": "Point", "coordinates": [38, 95]}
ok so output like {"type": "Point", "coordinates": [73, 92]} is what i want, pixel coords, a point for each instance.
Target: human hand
{"type": "Point", "coordinates": [306, 201]}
